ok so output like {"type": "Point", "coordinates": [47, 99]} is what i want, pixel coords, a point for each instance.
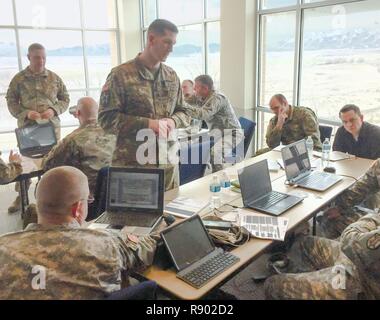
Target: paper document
{"type": "Point", "coordinates": [185, 207]}
{"type": "Point", "coordinates": [335, 155]}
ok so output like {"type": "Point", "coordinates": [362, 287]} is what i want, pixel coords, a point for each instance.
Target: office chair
{"type": "Point", "coordinates": [189, 171]}
{"type": "Point", "coordinates": [100, 195]}
{"type": "Point", "coordinates": [325, 132]}
{"type": "Point", "coordinates": [249, 129]}
{"type": "Point", "coordinates": [146, 290]}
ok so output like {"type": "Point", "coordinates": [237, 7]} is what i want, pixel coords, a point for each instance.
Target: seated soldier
{"type": "Point", "coordinates": [11, 171]}
{"type": "Point", "coordinates": [188, 91]}
{"type": "Point", "coordinates": [356, 136]}
{"type": "Point", "coordinates": [291, 124]}
{"type": "Point", "coordinates": [58, 258]}
{"type": "Point", "coordinates": [336, 219]}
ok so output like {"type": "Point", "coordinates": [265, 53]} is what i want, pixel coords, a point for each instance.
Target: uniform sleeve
{"type": "Point", "coordinates": [64, 153]}
{"type": "Point", "coordinates": [207, 111]}
{"type": "Point", "coordinates": [13, 101]}
{"type": "Point", "coordinates": [63, 98]}
{"type": "Point", "coordinates": [181, 113]}
{"type": "Point", "coordinates": [360, 241]}
{"type": "Point", "coordinates": [366, 186]}
{"type": "Point", "coordinates": [311, 128]}
{"type": "Point", "coordinates": [9, 172]}
{"type": "Point", "coordinates": [273, 135]}
{"type": "Point", "coordinates": [338, 141]}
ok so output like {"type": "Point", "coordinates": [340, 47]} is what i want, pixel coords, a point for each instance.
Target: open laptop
{"type": "Point", "coordinates": [298, 169]}
{"type": "Point", "coordinates": [37, 140]}
{"type": "Point", "coordinates": [135, 198]}
{"type": "Point", "coordinates": [194, 254]}
{"type": "Point", "coordinates": [257, 193]}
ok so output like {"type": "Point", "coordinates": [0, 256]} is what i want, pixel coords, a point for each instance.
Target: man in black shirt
{"type": "Point", "coordinates": [357, 137]}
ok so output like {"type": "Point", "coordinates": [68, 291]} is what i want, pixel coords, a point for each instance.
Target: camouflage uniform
{"type": "Point", "coordinates": [301, 123]}
{"type": "Point", "coordinates": [30, 92]}
{"type": "Point", "coordinates": [131, 96]}
{"type": "Point", "coordinates": [365, 188]}
{"type": "Point", "coordinates": [218, 113]}
{"type": "Point", "coordinates": [87, 148]}
{"type": "Point", "coordinates": [9, 172]}
{"type": "Point", "coordinates": [361, 243]}
{"type": "Point", "coordinates": [322, 264]}
{"type": "Point", "coordinates": [79, 263]}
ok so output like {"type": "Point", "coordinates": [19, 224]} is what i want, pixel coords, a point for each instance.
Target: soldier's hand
{"type": "Point", "coordinates": [33, 115]}
{"type": "Point", "coordinates": [48, 114]}
{"type": "Point", "coordinates": [332, 213]}
{"type": "Point", "coordinates": [14, 157]}
{"type": "Point", "coordinates": [154, 125]}
{"type": "Point", "coordinates": [171, 124]}
{"type": "Point", "coordinates": [282, 116]}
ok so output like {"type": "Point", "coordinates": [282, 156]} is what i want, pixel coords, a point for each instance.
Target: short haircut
{"type": "Point", "coordinates": [188, 80]}
{"type": "Point", "coordinates": [160, 26]}
{"type": "Point", "coordinates": [280, 97]}
{"type": "Point", "coordinates": [35, 46]}
{"type": "Point", "coordinates": [206, 80]}
{"type": "Point", "coordinates": [350, 107]}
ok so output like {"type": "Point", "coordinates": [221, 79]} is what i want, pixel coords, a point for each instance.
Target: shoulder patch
{"type": "Point", "coordinates": [374, 242]}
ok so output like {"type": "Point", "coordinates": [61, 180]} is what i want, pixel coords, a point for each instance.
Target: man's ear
{"type": "Point", "coordinates": [28, 57]}
{"type": "Point", "coordinates": [362, 117]}
{"type": "Point", "coordinates": [75, 210]}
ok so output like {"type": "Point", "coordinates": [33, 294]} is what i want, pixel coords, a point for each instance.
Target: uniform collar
{"type": "Point", "coordinates": [291, 112]}
{"type": "Point", "coordinates": [35, 226]}
{"type": "Point", "coordinates": [89, 124]}
{"type": "Point", "coordinates": [144, 72]}
{"type": "Point", "coordinates": [29, 73]}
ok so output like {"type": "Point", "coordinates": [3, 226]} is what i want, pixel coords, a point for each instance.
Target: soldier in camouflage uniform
{"type": "Point", "coordinates": [214, 108]}
{"type": "Point", "coordinates": [36, 95]}
{"type": "Point", "coordinates": [336, 219]}
{"type": "Point", "coordinates": [87, 148]}
{"type": "Point", "coordinates": [58, 258]}
{"type": "Point", "coordinates": [11, 171]}
{"type": "Point", "coordinates": [322, 272]}
{"type": "Point", "coordinates": [361, 243]}
{"type": "Point", "coordinates": [145, 94]}
{"type": "Point", "coordinates": [291, 124]}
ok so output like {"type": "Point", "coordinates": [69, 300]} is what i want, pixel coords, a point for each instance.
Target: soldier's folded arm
{"type": "Point", "coordinates": [273, 135]}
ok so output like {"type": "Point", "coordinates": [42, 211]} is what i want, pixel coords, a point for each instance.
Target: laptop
{"type": "Point", "coordinates": [257, 193]}
{"type": "Point", "coordinates": [37, 140]}
{"type": "Point", "coordinates": [298, 169]}
{"type": "Point", "coordinates": [193, 252]}
{"type": "Point", "coordinates": [135, 199]}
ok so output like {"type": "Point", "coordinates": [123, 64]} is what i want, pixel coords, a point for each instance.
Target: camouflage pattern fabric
{"type": "Point", "coordinates": [30, 92]}
{"type": "Point", "coordinates": [9, 172]}
{"type": "Point", "coordinates": [130, 97]}
{"type": "Point", "coordinates": [76, 263]}
{"type": "Point", "coordinates": [322, 263]}
{"type": "Point", "coordinates": [301, 123]}
{"type": "Point", "coordinates": [361, 243]}
{"type": "Point", "coordinates": [87, 148]}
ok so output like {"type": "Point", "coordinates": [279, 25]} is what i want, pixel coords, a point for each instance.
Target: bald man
{"type": "Point", "coordinates": [58, 258]}
{"type": "Point", "coordinates": [87, 148]}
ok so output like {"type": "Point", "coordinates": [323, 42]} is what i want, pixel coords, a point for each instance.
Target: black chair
{"type": "Point", "coordinates": [146, 290]}
{"type": "Point", "coordinates": [99, 205]}
{"type": "Point", "coordinates": [192, 168]}
{"type": "Point", "coordinates": [325, 132]}
{"type": "Point", "coordinates": [249, 129]}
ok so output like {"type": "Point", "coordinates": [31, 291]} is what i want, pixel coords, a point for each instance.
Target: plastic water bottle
{"type": "Point", "coordinates": [225, 181]}
{"type": "Point", "coordinates": [215, 189]}
{"type": "Point", "coordinates": [310, 147]}
{"type": "Point", "coordinates": [326, 148]}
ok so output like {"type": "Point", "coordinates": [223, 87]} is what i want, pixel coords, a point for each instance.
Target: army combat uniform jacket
{"type": "Point", "coordinates": [68, 262]}
{"type": "Point", "coordinates": [301, 123]}
{"type": "Point", "coordinates": [9, 172]}
{"type": "Point", "coordinates": [87, 148]}
{"type": "Point", "coordinates": [130, 97]}
{"type": "Point", "coordinates": [37, 92]}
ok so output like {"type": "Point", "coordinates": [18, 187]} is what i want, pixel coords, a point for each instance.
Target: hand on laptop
{"type": "Point", "coordinates": [332, 213]}
{"type": "Point", "coordinates": [33, 115]}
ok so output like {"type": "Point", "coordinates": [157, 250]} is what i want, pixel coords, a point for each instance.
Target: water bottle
{"type": "Point", "coordinates": [215, 189]}
{"type": "Point", "coordinates": [326, 147]}
{"type": "Point", "coordinates": [310, 147]}
{"type": "Point", "coordinates": [225, 181]}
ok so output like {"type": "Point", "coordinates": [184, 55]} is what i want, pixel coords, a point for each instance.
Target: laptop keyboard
{"type": "Point", "coordinates": [269, 200]}
{"type": "Point", "coordinates": [210, 269]}
{"type": "Point", "coordinates": [317, 179]}
{"type": "Point", "coordinates": [124, 219]}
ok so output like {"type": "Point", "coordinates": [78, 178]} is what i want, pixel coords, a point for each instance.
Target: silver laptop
{"type": "Point", "coordinates": [298, 169]}
{"type": "Point", "coordinates": [135, 198]}
{"type": "Point", "coordinates": [257, 193]}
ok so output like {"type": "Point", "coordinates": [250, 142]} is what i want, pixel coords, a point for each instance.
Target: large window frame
{"type": "Point", "coordinates": [16, 27]}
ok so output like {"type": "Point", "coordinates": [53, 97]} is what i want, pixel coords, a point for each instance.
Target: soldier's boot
{"type": "Point", "coordinates": [30, 215]}
{"type": "Point", "coordinates": [15, 206]}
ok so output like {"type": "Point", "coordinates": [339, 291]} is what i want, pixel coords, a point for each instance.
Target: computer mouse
{"type": "Point", "coordinates": [169, 219]}
{"type": "Point", "coordinates": [329, 169]}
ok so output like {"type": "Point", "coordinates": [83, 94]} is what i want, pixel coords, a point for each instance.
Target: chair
{"type": "Point", "coordinates": [100, 195]}
{"type": "Point", "coordinates": [325, 132]}
{"type": "Point", "coordinates": [249, 129]}
{"type": "Point", "coordinates": [199, 154]}
{"type": "Point", "coordinates": [146, 290]}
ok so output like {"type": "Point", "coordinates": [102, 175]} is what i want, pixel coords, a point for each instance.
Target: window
{"type": "Point", "coordinates": [81, 41]}
{"type": "Point", "coordinates": [198, 43]}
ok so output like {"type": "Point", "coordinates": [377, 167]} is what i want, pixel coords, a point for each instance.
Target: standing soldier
{"type": "Point", "coordinates": [36, 95]}
{"type": "Point", "coordinates": [145, 94]}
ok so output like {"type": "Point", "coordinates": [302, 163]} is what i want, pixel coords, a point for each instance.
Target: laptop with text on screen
{"type": "Point", "coordinates": [194, 254]}
{"type": "Point", "coordinates": [298, 169]}
{"type": "Point", "coordinates": [135, 198]}
{"type": "Point", "coordinates": [257, 193]}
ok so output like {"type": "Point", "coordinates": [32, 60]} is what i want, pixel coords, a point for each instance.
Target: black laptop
{"type": "Point", "coordinates": [298, 169]}
{"type": "Point", "coordinates": [257, 193]}
{"type": "Point", "coordinates": [193, 252]}
{"type": "Point", "coordinates": [135, 198]}
{"type": "Point", "coordinates": [37, 140]}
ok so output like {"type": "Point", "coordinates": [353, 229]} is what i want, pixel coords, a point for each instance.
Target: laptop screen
{"type": "Point", "coordinates": [135, 189]}
{"type": "Point", "coordinates": [187, 242]}
{"type": "Point", "coordinates": [254, 181]}
{"type": "Point", "coordinates": [36, 136]}
{"type": "Point", "coordinates": [296, 159]}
